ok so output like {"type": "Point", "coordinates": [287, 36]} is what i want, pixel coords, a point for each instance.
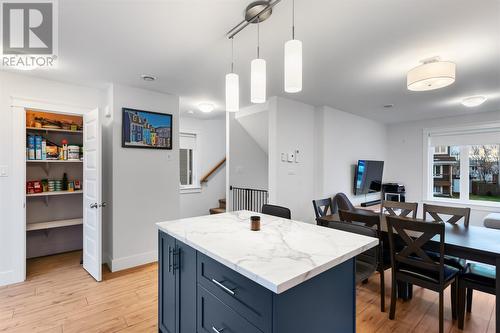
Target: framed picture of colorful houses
{"type": "Point", "coordinates": [146, 129]}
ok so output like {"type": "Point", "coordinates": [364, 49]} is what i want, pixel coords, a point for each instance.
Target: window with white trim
{"type": "Point", "coordinates": [188, 161]}
{"type": "Point", "coordinates": [464, 164]}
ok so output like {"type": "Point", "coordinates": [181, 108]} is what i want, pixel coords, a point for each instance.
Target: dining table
{"type": "Point", "coordinates": [475, 243]}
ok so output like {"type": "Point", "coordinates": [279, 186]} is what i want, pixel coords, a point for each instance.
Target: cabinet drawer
{"type": "Point", "coordinates": [215, 316]}
{"type": "Point", "coordinates": [246, 297]}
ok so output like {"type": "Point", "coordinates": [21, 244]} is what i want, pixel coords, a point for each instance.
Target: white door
{"type": "Point", "coordinates": [92, 204]}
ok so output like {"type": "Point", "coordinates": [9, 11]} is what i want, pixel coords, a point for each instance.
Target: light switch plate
{"type": "Point", "coordinates": [4, 171]}
{"type": "Point", "coordinates": [283, 157]}
{"type": "Point", "coordinates": [291, 157]}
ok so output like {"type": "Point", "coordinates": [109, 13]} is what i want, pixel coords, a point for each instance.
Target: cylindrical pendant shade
{"type": "Point", "coordinates": [232, 92]}
{"type": "Point", "coordinates": [258, 81]}
{"type": "Point", "coordinates": [431, 75]}
{"type": "Point", "coordinates": [293, 66]}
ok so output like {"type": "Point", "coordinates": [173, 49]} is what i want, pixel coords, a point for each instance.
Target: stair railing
{"type": "Point", "coordinates": [212, 171]}
{"type": "Point", "coordinates": [248, 198]}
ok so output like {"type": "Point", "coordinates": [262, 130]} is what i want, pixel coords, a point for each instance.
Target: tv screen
{"type": "Point", "coordinates": [368, 177]}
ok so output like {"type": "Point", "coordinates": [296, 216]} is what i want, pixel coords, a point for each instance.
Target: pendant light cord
{"type": "Point", "coordinates": [232, 54]}
{"type": "Point", "coordinates": [293, 19]}
{"type": "Point", "coordinates": [258, 37]}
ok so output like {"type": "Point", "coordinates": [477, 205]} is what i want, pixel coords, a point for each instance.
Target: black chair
{"type": "Point", "coordinates": [366, 262]}
{"type": "Point", "coordinates": [278, 211]}
{"type": "Point", "coordinates": [475, 276]}
{"type": "Point", "coordinates": [413, 265]}
{"type": "Point", "coordinates": [371, 220]}
{"type": "Point", "coordinates": [322, 207]}
{"type": "Point", "coordinates": [397, 208]}
{"type": "Point", "coordinates": [342, 202]}
{"type": "Point", "coordinates": [453, 216]}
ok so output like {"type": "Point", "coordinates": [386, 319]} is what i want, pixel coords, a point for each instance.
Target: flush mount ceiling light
{"type": "Point", "coordinates": [431, 74]}
{"type": "Point", "coordinates": [148, 77]}
{"type": "Point", "coordinates": [206, 107]}
{"type": "Point", "coordinates": [473, 101]}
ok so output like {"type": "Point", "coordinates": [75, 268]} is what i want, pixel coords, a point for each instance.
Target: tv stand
{"type": "Point", "coordinates": [371, 203]}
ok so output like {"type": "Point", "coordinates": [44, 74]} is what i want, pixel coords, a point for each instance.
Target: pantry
{"type": "Point", "coordinates": [57, 162]}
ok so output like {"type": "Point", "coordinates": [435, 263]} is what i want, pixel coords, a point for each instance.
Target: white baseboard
{"type": "Point", "coordinates": [10, 277]}
{"type": "Point", "coordinates": [119, 264]}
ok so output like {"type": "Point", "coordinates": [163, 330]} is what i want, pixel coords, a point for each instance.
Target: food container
{"type": "Point", "coordinates": [78, 185]}
{"type": "Point", "coordinates": [255, 223]}
{"type": "Point", "coordinates": [74, 127]}
{"type": "Point", "coordinates": [37, 186]}
{"type": "Point", "coordinates": [71, 186]}
{"type": "Point", "coordinates": [73, 152]}
{"type": "Point", "coordinates": [29, 187]}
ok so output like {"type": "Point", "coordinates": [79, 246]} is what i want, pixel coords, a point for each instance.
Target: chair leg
{"type": "Point", "coordinates": [441, 312]}
{"type": "Point", "coordinates": [469, 299]}
{"type": "Point", "coordinates": [382, 290]}
{"type": "Point", "coordinates": [461, 304]}
{"type": "Point", "coordinates": [392, 311]}
{"type": "Point", "coordinates": [454, 292]}
{"type": "Point", "coordinates": [365, 281]}
{"type": "Point", "coordinates": [410, 290]}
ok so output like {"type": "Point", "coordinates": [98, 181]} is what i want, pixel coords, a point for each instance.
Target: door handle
{"type": "Point", "coordinates": [104, 204]}
{"type": "Point", "coordinates": [94, 205]}
{"type": "Point", "coordinates": [217, 330]}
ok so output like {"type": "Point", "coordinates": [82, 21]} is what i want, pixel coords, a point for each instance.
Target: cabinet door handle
{"type": "Point", "coordinates": [170, 258]}
{"type": "Point", "coordinates": [217, 330]}
{"type": "Point", "coordinates": [223, 287]}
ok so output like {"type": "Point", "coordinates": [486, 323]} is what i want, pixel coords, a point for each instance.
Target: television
{"type": "Point", "coordinates": [368, 177]}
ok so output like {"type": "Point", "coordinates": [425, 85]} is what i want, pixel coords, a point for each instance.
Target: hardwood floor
{"type": "Point", "coordinates": [59, 296]}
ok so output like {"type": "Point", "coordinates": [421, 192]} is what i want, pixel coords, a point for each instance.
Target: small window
{"type": "Point", "coordinates": [188, 161]}
{"type": "Point", "coordinates": [441, 150]}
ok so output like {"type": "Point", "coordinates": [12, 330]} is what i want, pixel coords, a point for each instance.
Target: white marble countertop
{"type": "Point", "coordinates": [281, 255]}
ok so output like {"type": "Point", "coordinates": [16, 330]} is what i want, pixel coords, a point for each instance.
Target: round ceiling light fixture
{"type": "Point", "coordinates": [206, 107]}
{"type": "Point", "coordinates": [431, 74]}
{"type": "Point", "coordinates": [473, 101]}
{"type": "Point", "coordinates": [148, 77]}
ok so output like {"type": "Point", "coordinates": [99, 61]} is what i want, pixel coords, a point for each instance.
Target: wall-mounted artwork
{"type": "Point", "coordinates": [145, 129]}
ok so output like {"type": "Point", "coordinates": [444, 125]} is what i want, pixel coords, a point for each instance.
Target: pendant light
{"type": "Point", "coordinates": [232, 86]}
{"type": "Point", "coordinates": [258, 74]}
{"type": "Point", "coordinates": [293, 60]}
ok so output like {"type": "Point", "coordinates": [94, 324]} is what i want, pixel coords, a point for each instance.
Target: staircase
{"type": "Point", "coordinates": [220, 209]}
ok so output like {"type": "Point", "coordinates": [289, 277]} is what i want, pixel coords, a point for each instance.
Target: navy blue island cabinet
{"type": "Point", "coordinates": [197, 294]}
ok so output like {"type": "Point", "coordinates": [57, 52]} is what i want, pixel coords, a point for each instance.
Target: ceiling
{"type": "Point", "coordinates": [356, 52]}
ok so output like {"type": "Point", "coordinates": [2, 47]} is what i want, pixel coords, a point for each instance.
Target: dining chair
{"type": "Point", "coordinates": [412, 264]}
{"type": "Point", "coordinates": [322, 207]}
{"type": "Point", "coordinates": [371, 220]}
{"type": "Point", "coordinates": [397, 208]}
{"type": "Point", "coordinates": [278, 211]}
{"type": "Point", "coordinates": [366, 262]}
{"type": "Point", "coordinates": [476, 276]}
{"type": "Point", "coordinates": [451, 215]}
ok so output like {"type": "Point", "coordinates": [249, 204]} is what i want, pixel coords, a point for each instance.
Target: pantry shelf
{"type": "Point", "coordinates": [54, 161]}
{"type": "Point", "coordinates": [60, 130]}
{"type": "Point", "coordinates": [53, 224]}
{"type": "Point", "coordinates": [45, 194]}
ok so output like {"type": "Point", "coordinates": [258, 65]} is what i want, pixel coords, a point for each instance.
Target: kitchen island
{"type": "Point", "coordinates": [216, 275]}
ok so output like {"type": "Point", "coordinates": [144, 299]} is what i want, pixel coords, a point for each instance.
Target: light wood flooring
{"type": "Point", "coordinates": [59, 296]}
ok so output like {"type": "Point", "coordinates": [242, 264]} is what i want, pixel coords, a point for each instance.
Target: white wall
{"type": "Point", "coordinates": [26, 87]}
{"type": "Point", "coordinates": [211, 149]}
{"type": "Point", "coordinates": [145, 184]}
{"type": "Point", "coordinates": [344, 139]}
{"type": "Point", "coordinates": [248, 164]}
{"type": "Point", "coordinates": [291, 184]}
{"type": "Point", "coordinates": [405, 154]}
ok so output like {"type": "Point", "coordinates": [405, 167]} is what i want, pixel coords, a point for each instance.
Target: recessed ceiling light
{"type": "Point", "coordinates": [148, 77]}
{"type": "Point", "coordinates": [388, 106]}
{"type": "Point", "coordinates": [190, 111]}
{"type": "Point", "coordinates": [473, 101]}
{"type": "Point", "coordinates": [206, 107]}
{"type": "Point", "coordinates": [432, 74]}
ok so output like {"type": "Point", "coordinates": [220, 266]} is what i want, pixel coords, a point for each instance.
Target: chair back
{"type": "Point", "coordinates": [341, 201]}
{"type": "Point", "coordinates": [366, 218]}
{"type": "Point", "coordinates": [278, 211]}
{"type": "Point", "coordinates": [454, 214]}
{"type": "Point", "coordinates": [369, 258]}
{"type": "Point", "coordinates": [322, 206]}
{"type": "Point", "coordinates": [396, 208]}
{"type": "Point", "coordinates": [415, 234]}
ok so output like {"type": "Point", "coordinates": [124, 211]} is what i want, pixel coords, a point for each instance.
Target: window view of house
{"type": "Point", "coordinates": [446, 171]}
{"type": "Point", "coordinates": [187, 160]}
